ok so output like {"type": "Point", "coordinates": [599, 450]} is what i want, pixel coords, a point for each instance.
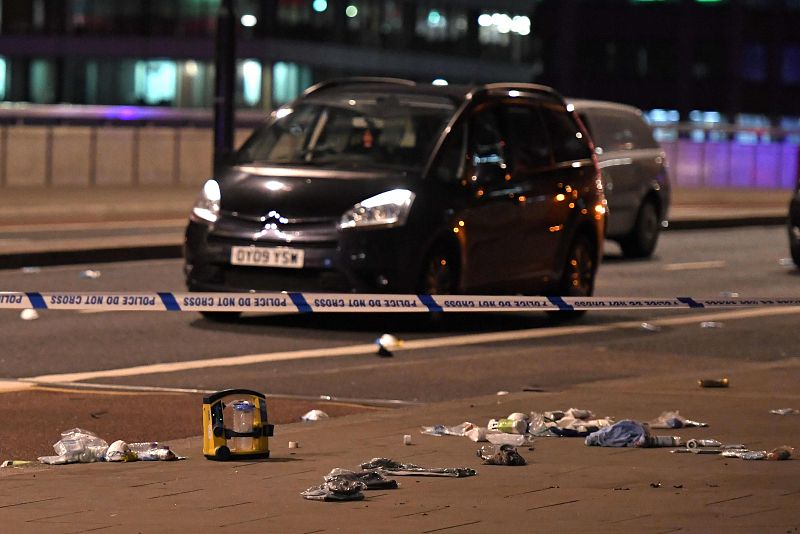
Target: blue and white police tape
{"type": "Point", "coordinates": [292, 302]}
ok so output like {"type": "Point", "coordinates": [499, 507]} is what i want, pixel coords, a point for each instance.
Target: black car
{"type": "Point", "coordinates": [794, 224]}
{"type": "Point", "coordinates": [635, 179]}
{"type": "Point", "coordinates": [385, 185]}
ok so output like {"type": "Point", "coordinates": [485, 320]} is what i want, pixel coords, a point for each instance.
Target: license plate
{"type": "Point", "coordinates": [291, 258]}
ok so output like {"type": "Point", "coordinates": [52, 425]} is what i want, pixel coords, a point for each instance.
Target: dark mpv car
{"type": "Point", "coordinates": [385, 185]}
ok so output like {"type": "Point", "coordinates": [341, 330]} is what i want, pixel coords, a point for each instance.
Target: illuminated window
{"type": "Point", "coordinates": [42, 81]}
{"type": "Point", "coordinates": [288, 81]}
{"type": "Point", "coordinates": [3, 67]}
{"type": "Point", "coordinates": [155, 82]}
{"type": "Point", "coordinates": [251, 82]}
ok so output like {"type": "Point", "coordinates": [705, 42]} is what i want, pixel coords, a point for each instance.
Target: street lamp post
{"type": "Point", "coordinates": [224, 83]}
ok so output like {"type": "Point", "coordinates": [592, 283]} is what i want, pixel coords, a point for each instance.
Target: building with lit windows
{"type": "Point", "coordinates": [730, 57]}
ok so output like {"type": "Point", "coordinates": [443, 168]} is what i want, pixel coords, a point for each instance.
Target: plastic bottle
{"type": "Point", "coordinates": [139, 448]}
{"type": "Point", "coordinates": [509, 426]}
{"type": "Point", "coordinates": [242, 422]}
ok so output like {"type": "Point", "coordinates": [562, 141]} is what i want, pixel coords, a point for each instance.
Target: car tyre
{"type": "Point", "coordinates": [643, 238]}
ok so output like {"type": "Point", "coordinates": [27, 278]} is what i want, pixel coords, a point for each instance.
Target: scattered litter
{"type": "Point", "coordinates": [326, 397]}
{"type": "Point", "coordinates": [500, 455]}
{"type": "Point", "coordinates": [729, 294]}
{"type": "Point", "coordinates": [622, 489]}
{"type": "Point", "coordinates": [677, 486]}
{"type": "Point", "coordinates": [294, 445]}
{"type": "Point", "coordinates": [625, 433]}
{"type": "Point", "coordinates": [502, 392]}
{"type": "Point", "coordinates": [673, 419]}
{"type": "Point", "coordinates": [655, 484]}
{"type": "Point", "coordinates": [535, 389]}
{"type": "Point", "coordinates": [315, 415]}
{"type": "Point", "coordinates": [442, 430]}
{"type": "Point", "coordinates": [713, 382]}
{"type": "Point", "coordinates": [785, 411]}
{"type": "Point", "coordinates": [31, 270]}
{"type": "Point", "coordinates": [90, 274]}
{"type": "Point", "coordinates": [386, 343]}
{"type": "Point", "coordinates": [395, 468]}
{"type": "Point", "coordinates": [29, 314]}
{"type": "Point", "coordinates": [786, 261]}
{"type": "Point", "coordinates": [662, 441]}
{"type": "Point", "coordinates": [338, 489]}
{"type": "Point", "coordinates": [502, 438]}
{"type": "Point", "coordinates": [695, 443]}
{"type": "Point", "coordinates": [573, 422]}
{"type": "Point", "coordinates": [711, 324]}
{"type": "Point", "coordinates": [407, 439]}
{"type": "Point", "coordinates": [779, 453]}
{"type": "Point", "coordinates": [82, 446]}
{"type": "Point", "coordinates": [509, 426]}
{"type": "Point", "coordinates": [372, 479]}
{"type": "Point", "coordinates": [649, 327]}
{"type": "Point", "coordinates": [15, 463]}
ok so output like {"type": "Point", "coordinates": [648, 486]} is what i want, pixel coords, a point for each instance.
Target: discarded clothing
{"type": "Point", "coordinates": [625, 433]}
{"type": "Point", "coordinates": [372, 479]}
{"type": "Point", "coordinates": [395, 468]}
{"type": "Point", "coordinates": [338, 489]}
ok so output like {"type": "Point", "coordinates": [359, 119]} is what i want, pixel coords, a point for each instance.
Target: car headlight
{"type": "Point", "coordinates": [207, 206]}
{"type": "Point", "coordinates": [386, 209]}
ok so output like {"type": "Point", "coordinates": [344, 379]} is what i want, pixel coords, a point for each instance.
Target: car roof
{"type": "Point", "coordinates": [583, 104]}
{"type": "Point", "coordinates": [457, 93]}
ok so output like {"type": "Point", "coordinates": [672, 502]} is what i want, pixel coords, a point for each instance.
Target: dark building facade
{"type": "Point", "coordinates": [727, 56]}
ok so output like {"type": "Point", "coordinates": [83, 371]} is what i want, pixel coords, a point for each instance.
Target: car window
{"type": "Point", "coordinates": [528, 140]}
{"type": "Point", "coordinates": [566, 138]}
{"type": "Point", "coordinates": [359, 131]}
{"type": "Point", "coordinates": [486, 143]}
{"type": "Point", "coordinates": [449, 163]}
{"type": "Point", "coordinates": [619, 130]}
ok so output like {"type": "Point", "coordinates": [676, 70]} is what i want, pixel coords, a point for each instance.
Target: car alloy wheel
{"type": "Point", "coordinates": [578, 279]}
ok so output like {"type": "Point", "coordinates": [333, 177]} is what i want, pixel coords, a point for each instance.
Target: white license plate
{"type": "Point", "coordinates": [291, 258]}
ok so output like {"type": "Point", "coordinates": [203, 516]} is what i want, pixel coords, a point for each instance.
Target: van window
{"type": "Point", "coordinates": [618, 130]}
{"type": "Point", "coordinates": [566, 138]}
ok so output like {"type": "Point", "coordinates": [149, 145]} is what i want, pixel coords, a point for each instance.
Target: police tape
{"type": "Point", "coordinates": [294, 302]}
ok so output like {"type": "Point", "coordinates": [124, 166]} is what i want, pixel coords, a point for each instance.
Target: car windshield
{"type": "Point", "coordinates": [351, 132]}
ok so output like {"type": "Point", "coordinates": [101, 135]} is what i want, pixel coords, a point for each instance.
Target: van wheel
{"type": "Point", "coordinates": [641, 242]}
{"type": "Point", "coordinates": [578, 277]}
{"type": "Point", "coordinates": [439, 273]}
{"type": "Point", "coordinates": [221, 317]}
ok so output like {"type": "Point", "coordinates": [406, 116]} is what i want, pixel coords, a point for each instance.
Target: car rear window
{"type": "Point", "coordinates": [618, 130]}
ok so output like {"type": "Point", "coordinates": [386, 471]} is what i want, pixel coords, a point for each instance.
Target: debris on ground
{"type": "Point", "coordinates": [29, 314]}
{"type": "Point", "coordinates": [785, 411]}
{"type": "Point", "coordinates": [386, 344]}
{"type": "Point", "coordinates": [729, 294]}
{"type": "Point", "coordinates": [442, 430]}
{"type": "Point", "coordinates": [31, 270]}
{"type": "Point", "coordinates": [336, 490]}
{"type": "Point", "coordinates": [15, 463]}
{"type": "Point", "coordinates": [625, 433]}
{"type": "Point", "coordinates": [83, 446]}
{"type": "Point", "coordinates": [407, 439]}
{"type": "Point", "coordinates": [697, 443]}
{"type": "Point", "coordinates": [509, 426]}
{"type": "Point", "coordinates": [372, 479]}
{"type": "Point", "coordinates": [90, 274]}
{"type": "Point", "coordinates": [649, 327]}
{"type": "Point", "coordinates": [502, 392]}
{"type": "Point", "coordinates": [315, 415]}
{"type": "Point", "coordinates": [396, 468]}
{"type": "Point", "coordinates": [574, 422]}
{"type": "Point", "coordinates": [713, 382]}
{"type": "Point", "coordinates": [500, 455]}
{"type": "Point", "coordinates": [711, 324]}
{"type": "Point", "coordinates": [779, 453]}
{"type": "Point", "coordinates": [673, 419]}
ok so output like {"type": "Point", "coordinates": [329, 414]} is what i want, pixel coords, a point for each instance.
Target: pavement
{"type": "Point", "coordinates": [565, 484]}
